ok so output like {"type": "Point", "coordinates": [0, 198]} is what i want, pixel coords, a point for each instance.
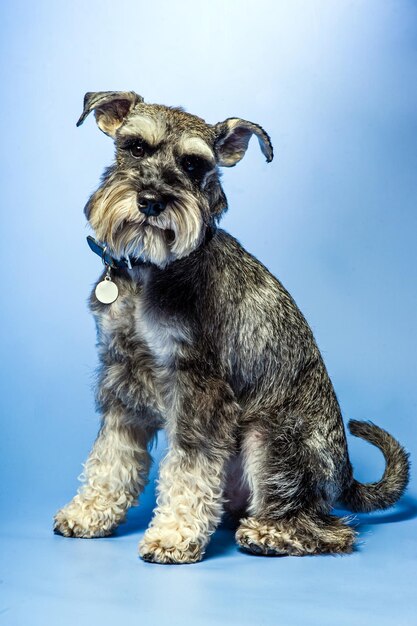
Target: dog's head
{"type": "Point", "coordinates": [163, 192]}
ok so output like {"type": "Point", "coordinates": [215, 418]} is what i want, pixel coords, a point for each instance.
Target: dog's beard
{"type": "Point", "coordinates": [173, 234]}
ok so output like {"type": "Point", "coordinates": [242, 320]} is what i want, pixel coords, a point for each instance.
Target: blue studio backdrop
{"type": "Point", "coordinates": [333, 217]}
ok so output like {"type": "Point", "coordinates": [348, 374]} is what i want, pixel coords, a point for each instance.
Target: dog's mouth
{"type": "Point", "coordinates": [158, 238]}
{"type": "Point", "coordinates": [169, 236]}
{"type": "Point", "coordinates": [168, 233]}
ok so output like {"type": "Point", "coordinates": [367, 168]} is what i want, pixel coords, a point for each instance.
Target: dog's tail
{"type": "Point", "coordinates": [363, 498]}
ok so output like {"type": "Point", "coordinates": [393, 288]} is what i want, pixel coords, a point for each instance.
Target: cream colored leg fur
{"type": "Point", "coordinates": [189, 507]}
{"type": "Point", "coordinates": [115, 473]}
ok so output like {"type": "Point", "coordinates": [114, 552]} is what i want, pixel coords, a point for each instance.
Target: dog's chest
{"type": "Point", "coordinates": [135, 325]}
{"type": "Point", "coordinates": [163, 335]}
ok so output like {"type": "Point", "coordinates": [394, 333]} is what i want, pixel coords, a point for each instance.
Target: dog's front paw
{"type": "Point", "coordinates": [82, 519]}
{"type": "Point", "coordinates": [168, 546]}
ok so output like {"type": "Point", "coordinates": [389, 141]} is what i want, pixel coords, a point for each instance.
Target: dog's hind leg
{"type": "Point", "coordinates": [294, 481]}
{"type": "Point", "coordinates": [114, 475]}
{"type": "Point", "coordinates": [304, 533]}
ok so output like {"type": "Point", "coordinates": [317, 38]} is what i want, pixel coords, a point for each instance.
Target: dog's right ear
{"type": "Point", "coordinates": [110, 108]}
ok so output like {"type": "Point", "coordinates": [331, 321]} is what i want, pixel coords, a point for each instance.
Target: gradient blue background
{"type": "Point", "coordinates": [334, 217]}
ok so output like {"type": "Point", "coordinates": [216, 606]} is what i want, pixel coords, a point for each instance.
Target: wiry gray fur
{"type": "Point", "coordinates": [205, 342]}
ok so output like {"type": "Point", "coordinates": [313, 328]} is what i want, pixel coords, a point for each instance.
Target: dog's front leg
{"type": "Point", "coordinates": [191, 481]}
{"type": "Point", "coordinates": [114, 474]}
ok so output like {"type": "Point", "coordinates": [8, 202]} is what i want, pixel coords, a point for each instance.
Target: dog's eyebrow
{"type": "Point", "coordinates": [152, 130]}
{"type": "Point", "coordinates": [195, 145]}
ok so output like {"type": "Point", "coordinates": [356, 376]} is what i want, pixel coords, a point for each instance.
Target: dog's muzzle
{"type": "Point", "coordinates": [150, 203]}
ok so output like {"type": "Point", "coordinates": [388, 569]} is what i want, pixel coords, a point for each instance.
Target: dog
{"type": "Point", "coordinates": [197, 337]}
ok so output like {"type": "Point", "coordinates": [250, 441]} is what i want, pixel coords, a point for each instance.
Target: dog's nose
{"type": "Point", "coordinates": [150, 203]}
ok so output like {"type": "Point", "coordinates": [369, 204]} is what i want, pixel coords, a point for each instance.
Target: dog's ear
{"type": "Point", "coordinates": [232, 139]}
{"type": "Point", "coordinates": [110, 108]}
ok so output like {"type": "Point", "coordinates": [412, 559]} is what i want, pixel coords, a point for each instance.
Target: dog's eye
{"type": "Point", "coordinates": [190, 164]}
{"type": "Point", "coordinates": [195, 166]}
{"type": "Point", "coordinates": [137, 150]}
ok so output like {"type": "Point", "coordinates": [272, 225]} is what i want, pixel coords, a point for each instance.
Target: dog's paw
{"type": "Point", "coordinates": [266, 539]}
{"type": "Point", "coordinates": [168, 546]}
{"type": "Point", "coordinates": [297, 537]}
{"type": "Point", "coordinates": [81, 519]}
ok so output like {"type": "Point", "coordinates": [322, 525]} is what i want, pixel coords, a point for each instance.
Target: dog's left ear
{"type": "Point", "coordinates": [110, 108]}
{"type": "Point", "coordinates": [232, 139]}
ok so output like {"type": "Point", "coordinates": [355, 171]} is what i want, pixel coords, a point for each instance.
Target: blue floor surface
{"type": "Point", "coordinates": [49, 579]}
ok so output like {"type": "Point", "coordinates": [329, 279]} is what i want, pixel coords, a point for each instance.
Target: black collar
{"type": "Point", "coordinates": [101, 250]}
{"type": "Point", "coordinates": [108, 260]}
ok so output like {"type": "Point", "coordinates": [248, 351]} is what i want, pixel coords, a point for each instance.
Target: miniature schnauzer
{"type": "Point", "coordinates": [197, 337]}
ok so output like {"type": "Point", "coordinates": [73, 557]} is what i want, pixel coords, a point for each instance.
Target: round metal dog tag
{"type": "Point", "coordinates": [106, 291]}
